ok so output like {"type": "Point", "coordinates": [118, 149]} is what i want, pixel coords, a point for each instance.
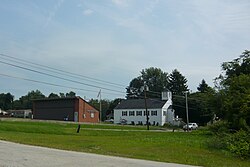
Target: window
{"type": "Point", "coordinates": [124, 113]}
{"type": "Point", "coordinates": [138, 113]}
{"type": "Point", "coordinates": [131, 113]}
{"type": "Point", "coordinates": [92, 115]}
{"type": "Point", "coordinates": [154, 113]}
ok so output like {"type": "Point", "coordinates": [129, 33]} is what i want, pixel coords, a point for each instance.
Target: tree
{"type": "Point", "coordinates": [25, 102]}
{"type": "Point", "coordinates": [53, 96]}
{"type": "Point", "coordinates": [112, 105]}
{"type": "Point", "coordinates": [6, 101]}
{"type": "Point", "coordinates": [203, 86]}
{"type": "Point", "coordinates": [154, 78]}
{"type": "Point", "coordinates": [105, 106]}
{"type": "Point", "coordinates": [235, 91]}
{"type": "Point", "coordinates": [177, 83]}
{"type": "Point", "coordinates": [71, 94]}
{"type": "Point", "coordinates": [62, 95]}
{"type": "Point", "coordinates": [238, 66]}
{"type": "Point", "coordinates": [237, 103]}
{"type": "Point", "coordinates": [133, 90]}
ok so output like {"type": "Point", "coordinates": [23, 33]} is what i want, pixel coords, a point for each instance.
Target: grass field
{"type": "Point", "coordinates": [124, 141]}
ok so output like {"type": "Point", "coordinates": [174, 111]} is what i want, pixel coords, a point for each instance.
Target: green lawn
{"type": "Point", "coordinates": [177, 147]}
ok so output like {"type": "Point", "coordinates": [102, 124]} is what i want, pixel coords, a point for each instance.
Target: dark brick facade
{"type": "Point", "coordinates": [71, 109]}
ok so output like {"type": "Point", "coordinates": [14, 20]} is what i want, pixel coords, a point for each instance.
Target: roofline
{"type": "Point", "coordinates": [63, 98]}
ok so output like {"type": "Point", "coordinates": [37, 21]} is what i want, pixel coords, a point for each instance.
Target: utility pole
{"type": "Point", "coordinates": [100, 108]}
{"type": "Point", "coordinates": [146, 108]}
{"type": "Point", "coordinates": [187, 110]}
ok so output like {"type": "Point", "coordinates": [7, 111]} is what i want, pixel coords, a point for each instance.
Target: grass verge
{"type": "Point", "coordinates": [177, 147]}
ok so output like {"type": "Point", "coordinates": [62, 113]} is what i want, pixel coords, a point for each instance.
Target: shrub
{"type": "Point", "coordinates": [218, 141]}
{"type": "Point", "coordinates": [239, 144]}
{"type": "Point", "coordinates": [220, 127]}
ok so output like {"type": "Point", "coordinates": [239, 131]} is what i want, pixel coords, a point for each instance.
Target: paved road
{"type": "Point", "coordinates": [19, 155]}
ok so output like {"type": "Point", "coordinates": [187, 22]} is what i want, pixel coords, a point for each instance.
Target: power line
{"type": "Point", "coordinates": [69, 80]}
{"type": "Point", "coordinates": [63, 71]}
{"type": "Point", "coordinates": [52, 84]}
{"type": "Point", "coordinates": [58, 72]}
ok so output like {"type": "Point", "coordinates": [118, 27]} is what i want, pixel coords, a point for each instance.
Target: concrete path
{"type": "Point", "coordinates": [19, 155]}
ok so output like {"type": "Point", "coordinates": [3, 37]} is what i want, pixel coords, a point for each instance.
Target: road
{"type": "Point", "coordinates": [19, 155]}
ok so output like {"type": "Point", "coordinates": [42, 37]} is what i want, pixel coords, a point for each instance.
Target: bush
{"type": "Point", "coordinates": [239, 144]}
{"type": "Point", "coordinates": [218, 141]}
{"type": "Point", "coordinates": [220, 127]}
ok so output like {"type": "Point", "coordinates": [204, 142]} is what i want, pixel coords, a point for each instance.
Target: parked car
{"type": "Point", "coordinates": [123, 122]}
{"type": "Point", "coordinates": [109, 121]}
{"type": "Point", "coordinates": [191, 126]}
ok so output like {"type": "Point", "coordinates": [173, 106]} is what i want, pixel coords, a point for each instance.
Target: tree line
{"type": "Point", "coordinates": [157, 81]}
{"type": "Point", "coordinates": [228, 99]}
{"type": "Point", "coordinates": [8, 102]}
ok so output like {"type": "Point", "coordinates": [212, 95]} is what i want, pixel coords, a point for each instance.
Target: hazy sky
{"type": "Point", "coordinates": [113, 40]}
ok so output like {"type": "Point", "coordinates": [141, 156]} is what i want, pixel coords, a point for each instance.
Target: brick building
{"type": "Point", "coordinates": [71, 109]}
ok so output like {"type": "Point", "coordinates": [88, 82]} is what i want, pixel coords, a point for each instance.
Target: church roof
{"type": "Point", "coordinates": [140, 104]}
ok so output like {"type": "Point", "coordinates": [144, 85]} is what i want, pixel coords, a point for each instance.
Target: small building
{"type": "Point", "coordinates": [65, 109]}
{"type": "Point", "coordinates": [2, 112]}
{"type": "Point", "coordinates": [132, 111]}
{"type": "Point", "coordinates": [23, 113]}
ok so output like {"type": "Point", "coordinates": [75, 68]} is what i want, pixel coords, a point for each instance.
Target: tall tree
{"type": "Point", "coordinates": [6, 101]}
{"type": "Point", "coordinates": [238, 66]}
{"type": "Point", "coordinates": [203, 86]}
{"type": "Point", "coordinates": [237, 103]}
{"type": "Point", "coordinates": [154, 78]}
{"type": "Point", "coordinates": [177, 83]}
{"type": "Point", "coordinates": [235, 92]}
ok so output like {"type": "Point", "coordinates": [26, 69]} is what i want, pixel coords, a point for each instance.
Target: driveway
{"type": "Point", "coordinates": [19, 155]}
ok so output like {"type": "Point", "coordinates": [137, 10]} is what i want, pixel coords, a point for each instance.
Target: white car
{"type": "Point", "coordinates": [191, 126]}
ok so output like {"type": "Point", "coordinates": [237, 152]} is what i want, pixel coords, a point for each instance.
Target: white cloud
{"type": "Point", "coordinates": [120, 3]}
{"type": "Point", "coordinates": [88, 12]}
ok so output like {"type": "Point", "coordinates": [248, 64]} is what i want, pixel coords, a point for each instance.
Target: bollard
{"type": "Point", "coordinates": [78, 129]}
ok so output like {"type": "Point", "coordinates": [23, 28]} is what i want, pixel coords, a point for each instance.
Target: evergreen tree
{"type": "Point", "coordinates": [177, 83]}
{"type": "Point", "coordinates": [203, 86]}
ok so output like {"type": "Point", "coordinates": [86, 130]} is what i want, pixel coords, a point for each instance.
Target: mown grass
{"type": "Point", "coordinates": [177, 147]}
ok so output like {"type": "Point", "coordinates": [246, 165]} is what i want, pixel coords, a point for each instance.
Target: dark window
{"type": "Point", "coordinates": [131, 113]}
{"type": "Point", "coordinates": [154, 113]}
{"type": "Point", "coordinates": [124, 113]}
{"type": "Point", "coordinates": [138, 113]}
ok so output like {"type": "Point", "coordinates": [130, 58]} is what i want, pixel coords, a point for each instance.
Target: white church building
{"type": "Point", "coordinates": [132, 111]}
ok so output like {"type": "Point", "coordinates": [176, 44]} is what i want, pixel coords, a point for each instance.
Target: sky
{"type": "Point", "coordinates": [108, 42]}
